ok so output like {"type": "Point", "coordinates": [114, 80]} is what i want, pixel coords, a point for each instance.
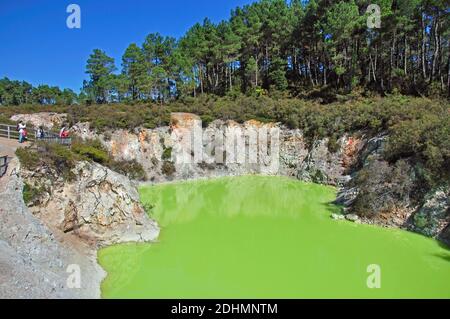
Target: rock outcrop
{"type": "Point", "coordinates": [286, 151]}
{"type": "Point", "coordinates": [61, 230]}
{"type": "Point", "coordinates": [331, 168]}
{"type": "Point", "coordinates": [387, 195]}
{"type": "Point", "coordinates": [47, 120]}
{"type": "Point", "coordinates": [33, 259]}
{"type": "Point", "coordinates": [433, 218]}
{"type": "Point", "coordinates": [99, 206]}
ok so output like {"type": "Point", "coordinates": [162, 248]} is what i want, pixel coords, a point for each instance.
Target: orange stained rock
{"type": "Point", "coordinates": [183, 120]}
{"type": "Point", "coordinates": [351, 151]}
{"type": "Point", "coordinates": [114, 148]}
{"type": "Point", "coordinates": [259, 124]}
{"type": "Point", "coordinates": [142, 137]}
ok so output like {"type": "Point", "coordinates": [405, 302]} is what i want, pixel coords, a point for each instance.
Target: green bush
{"type": "Point", "coordinates": [426, 139]}
{"type": "Point", "coordinates": [383, 187]}
{"type": "Point", "coordinates": [91, 150]}
{"type": "Point", "coordinates": [54, 156]}
{"type": "Point", "coordinates": [60, 158]}
{"type": "Point", "coordinates": [28, 158]}
{"type": "Point", "coordinates": [167, 154]}
{"type": "Point", "coordinates": [31, 194]}
{"type": "Point", "coordinates": [57, 157]}
{"type": "Point", "coordinates": [333, 145]}
{"type": "Point", "coordinates": [132, 169]}
{"type": "Point", "coordinates": [63, 159]}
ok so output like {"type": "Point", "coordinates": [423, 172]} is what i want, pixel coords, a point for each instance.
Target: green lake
{"type": "Point", "coordinates": [268, 237]}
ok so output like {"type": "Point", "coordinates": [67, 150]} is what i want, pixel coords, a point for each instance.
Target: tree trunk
{"type": "Point", "coordinates": [423, 51]}
{"type": "Point", "coordinates": [405, 65]}
{"type": "Point", "coordinates": [436, 48]}
{"type": "Point", "coordinates": [256, 71]}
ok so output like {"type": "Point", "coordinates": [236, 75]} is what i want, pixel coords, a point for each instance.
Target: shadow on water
{"type": "Point", "coordinates": [333, 208]}
{"type": "Point", "coordinates": [446, 255]}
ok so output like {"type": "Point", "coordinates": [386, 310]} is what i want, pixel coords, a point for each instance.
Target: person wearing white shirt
{"type": "Point", "coordinates": [22, 127]}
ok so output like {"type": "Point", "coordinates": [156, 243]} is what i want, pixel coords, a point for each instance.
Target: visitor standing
{"type": "Point", "coordinates": [22, 131]}
{"type": "Point", "coordinates": [64, 133]}
{"type": "Point", "coordinates": [40, 133]}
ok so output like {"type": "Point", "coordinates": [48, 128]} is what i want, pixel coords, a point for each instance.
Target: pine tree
{"type": "Point", "coordinates": [100, 67]}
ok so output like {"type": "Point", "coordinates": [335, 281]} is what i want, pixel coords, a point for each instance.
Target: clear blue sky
{"type": "Point", "coordinates": [36, 45]}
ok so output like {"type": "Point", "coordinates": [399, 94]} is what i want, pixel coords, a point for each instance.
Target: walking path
{"type": "Point", "coordinates": [8, 147]}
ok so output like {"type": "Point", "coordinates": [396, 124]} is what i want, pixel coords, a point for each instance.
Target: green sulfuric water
{"type": "Point", "coordinates": [268, 237]}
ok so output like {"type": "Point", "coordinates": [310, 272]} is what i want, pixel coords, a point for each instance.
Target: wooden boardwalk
{"type": "Point", "coordinates": [9, 143]}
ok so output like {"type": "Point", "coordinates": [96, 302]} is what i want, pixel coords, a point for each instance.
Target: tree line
{"type": "Point", "coordinates": [22, 92]}
{"type": "Point", "coordinates": [285, 46]}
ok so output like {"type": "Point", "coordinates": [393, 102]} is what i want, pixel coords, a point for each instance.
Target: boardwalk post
{"type": "Point", "coordinates": [9, 133]}
{"type": "Point", "coordinates": [3, 165]}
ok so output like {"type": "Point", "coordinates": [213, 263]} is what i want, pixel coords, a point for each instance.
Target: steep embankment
{"type": "Point", "coordinates": [64, 226]}
{"type": "Point", "coordinates": [33, 258]}
{"type": "Point", "coordinates": [379, 192]}
{"type": "Point", "coordinates": [166, 153]}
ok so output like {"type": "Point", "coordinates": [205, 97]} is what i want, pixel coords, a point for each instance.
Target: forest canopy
{"type": "Point", "coordinates": [296, 48]}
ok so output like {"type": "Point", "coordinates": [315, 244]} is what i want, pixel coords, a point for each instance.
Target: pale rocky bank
{"type": "Point", "coordinates": [39, 244]}
{"type": "Point", "coordinates": [72, 220]}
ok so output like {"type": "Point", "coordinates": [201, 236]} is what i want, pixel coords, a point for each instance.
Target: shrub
{"type": "Point", "coordinates": [54, 156]}
{"type": "Point", "coordinates": [426, 139]}
{"type": "Point", "coordinates": [167, 154]}
{"type": "Point", "coordinates": [168, 169]}
{"type": "Point", "coordinates": [31, 194]}
{"type": "Point", "coordinates": [63, 159]}
{"type": "Point", "coordinates": [383, 187]}
{"type": "Point", "coordinates": [91, 150]}
{"type": "Point", "coordinates": [132, 169]}
{"type": "Point", "coordinates": [333, 144]}
{"type": "Point", "coordinates": [60, 158]}
{"type": "Point", "coordinates": [28, 158]}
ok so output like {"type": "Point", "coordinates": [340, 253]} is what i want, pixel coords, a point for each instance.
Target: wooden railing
{"type": "Point", "coordinates": [3, 165]}
{"type": "Point", "coordinates": [11, 132]}
{"type": "Point", "coordinates": [57, 139]}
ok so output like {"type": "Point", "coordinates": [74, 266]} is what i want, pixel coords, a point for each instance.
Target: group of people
{"type": "Point", "coordinates": [40, 133]}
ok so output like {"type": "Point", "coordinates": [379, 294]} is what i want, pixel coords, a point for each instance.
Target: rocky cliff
{"type": "Point", "coordinates": [99, 206]}
{"type": "Point", "coordinates": [380, 193]}
{"type": "Point", "coordinates": [62, 227]}
{"type": "Point", "coordinates": [156, 149]}
{"type": "Point", "coordinates": [47, 120]}
{"type": "Point", "coordinates": [33, 259]}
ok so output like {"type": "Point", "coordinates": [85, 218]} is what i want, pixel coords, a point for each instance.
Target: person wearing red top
{"type": "Point", "coordinates": [64, 133]}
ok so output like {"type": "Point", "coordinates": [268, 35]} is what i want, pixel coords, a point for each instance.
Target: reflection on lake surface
{"type": "Point", "coordinates": [267, 237]}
